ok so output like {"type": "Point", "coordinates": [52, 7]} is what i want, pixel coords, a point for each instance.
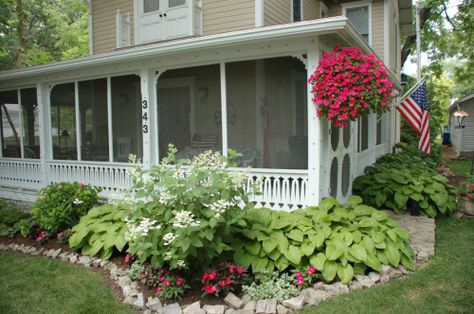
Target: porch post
{"type": "Point", "coordinates": [20, 116]}
{"type": "Point", "coordinates": [314, 132]}
{"type": "Point", "coordinates": [372, 140]}
{"type": "Point", "coordinates": [224, 108]}
{"type": "Point", "coordinates": [109, 119]}
{"type": "Point", "coordinates": [42, 94]}
{"type": "Point", "coordinates": [147, 78]}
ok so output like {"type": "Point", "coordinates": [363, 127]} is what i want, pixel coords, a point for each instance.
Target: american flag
{"type": "Point", "coordinates": [414, 108]}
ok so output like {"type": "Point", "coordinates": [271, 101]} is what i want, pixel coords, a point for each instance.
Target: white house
{"type": "Point", "coordinates": [462, 137]}
{"type": "Point", "coordinates": [210, 74]}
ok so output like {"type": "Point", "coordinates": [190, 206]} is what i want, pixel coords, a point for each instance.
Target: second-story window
{"type": "Point", "coordinates": [151, 5]}
{"type": "Point", "coordinates": [297, 5]}
{"type": "Point", "coordinates": [360, 15]}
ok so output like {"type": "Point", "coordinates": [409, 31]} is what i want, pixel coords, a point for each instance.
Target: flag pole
{"type": "Point", "coordinates": [418, 43]}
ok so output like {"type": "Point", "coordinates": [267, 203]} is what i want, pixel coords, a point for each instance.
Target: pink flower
{"type": "Point", "coordinates": [158, 289]}
{"type": "Point", "coordinates": [232, 269]}
{"type": "Point", "coordinates": [212, 276]}
{"type": "Point", "coordinates": [162, 278]}
{"type": "Point", "coordinates": [240, 270]}
{"type": "Point", "coordinates": [311, 270]}
{"type": "Point", "coordinates": [167, 283]}
{"type": "Point", "coordinates": [179, 281]}
{"type": "Point", "coordinates": [210, 289]}
{"type": "Point", "coordinates": [128, 259]}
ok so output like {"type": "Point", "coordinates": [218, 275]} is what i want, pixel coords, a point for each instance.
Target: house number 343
{"type": "Point", "coordinates": [145, 117]}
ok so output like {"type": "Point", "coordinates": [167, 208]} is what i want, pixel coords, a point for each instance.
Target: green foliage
{"type": "Point", "coordinates": [338, 241]}
{"type": "Point", "coordinates": [396, 181]}
{"type": "Point", "coordinates": [100, 231]}
{"type": "Point", "coordinates": [271, 285]}
{"type": "Point", "coordinates": [134, 270]}
{"type": "Point", "coordinates": [185, 214]}
{"type": "Point", "coordinates": [12, 219]}
{"type": "Point", "coordinates": [60, 205]}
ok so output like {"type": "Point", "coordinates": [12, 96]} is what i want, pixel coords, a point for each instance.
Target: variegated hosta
{"type": "Point", "coordinates": [185, 211]}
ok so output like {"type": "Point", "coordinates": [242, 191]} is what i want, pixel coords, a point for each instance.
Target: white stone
{"type": "Point", "coordinates": [386, 270]}
{"type": "Point", "coordinates": [250, 305]}
{"type": "Point", "coordinates": [103, 263]}
{"type": "Point", "coordinates": [384, 279]}
{"type": "Point", "coordinates": [214, 309]}
{"type": "Point", "coordinates": [154, 304]}
{"type": "Point", "coordinates": [243, 311]}
{"type": "Point", "coordinates": [374, 277]}
{"type": "Point", "coordinates": [282, 310]}
{"type": "Point", "coordinates": [127, 291]}
{"type": "Point", "coordinates": [124, 281]}
{"type": "Point", "coordinates": [85, 260]}
{"type": "Point", "coordinates": [295, 303]}
{"type": "Point", "coordinates": [395, 273]}
{"type": "Point", "coordinates": [110, 267]}
{"type": "Point", "coordinates": [271, 306]}
{"type": "Point", "coordinates": [96, 262]}
{"type": "Point", "coordinates": [72, 258]}
{"type": "Point", "coordinates": [56, 253]}
{"type": "Point", "coordinates": [194, 308]}
{"type": "Point", "coordinates": [172, 309]}
{"type": "Point", "coordinates": [365, 281]}
{"type": "Point", "coordinates": [233, 301]}
{"type": "Point", "coordinates": [319, 286]}
{"type": "Point", "coordinates": [141, 301]}
{"type": "Point", "coordinates": [355, 285]}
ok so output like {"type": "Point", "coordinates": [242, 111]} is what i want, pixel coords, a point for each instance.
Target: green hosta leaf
{"type": "Point", "coordinates": [380, 198]}
{"type": "Point", "coordinates": [407, 263]}
{"type": "Point", "coordinates": [317, 239]}
{"type": "Point", "coordinates": [317, 261]}
{"type": "Point", "coordinates": [359, 252]}
{"type": "Point", "coordinates": [348, 238]}
{"type": "Point", "coordinates": [307, 249]}
{"type": "Point", "coordinates": [402, 233]}
{"type": "Point", "coordinates": [253, 248]}
{"type": "Point", "coordinates": [392, 254]}
{"type": "Point", "coordinates": [251, 234]}
{"type": "Point", "coordinates": [392, 235]}
{"type": "Point", "coordinates": [329, 270]}
{"type": "Point", "coordinates": [261, 236]}
{"type": "Point", "coordinates": [274, 255]}
{"type": "Point", "coordinates": [378, 237]}
{"type": "Point", "coordinates": [354, 200]}
{"type": "Point", "coordinates": [296, 235]}
{"type": "Point", "coordinates": [282, 263]}
{"type": "Point", "coordinates": [106, 254]}
{"type": "Point", "coordinates": [333, 252]}
{"type": "Point", "coordinates": [416, 197]}
{"type": "Point", "coordinates": [357, 236]}
{"type": "Point", "coordinates": [242, 258]}
{"type": "Point", "coordinates": [327, 203]}
{"type": "Point", "coordinates": [259, 264]}
{"type": "Point", "coordinates": [345, 273]}
{"type": "Point", "coordinates": [359, 268]}
{"type": "Point", "coordinates": [363, 210]}
{"type": "Point", "coordinates": [373, 263]}
{"type": "Point", "coordinates": [269, 245]}
{"type": "Point", "coordinates": [379, 215]}
{"type": "Point", "coordinates": [293, 254]}
{"type": "Point", "coordinates": [400, 200]}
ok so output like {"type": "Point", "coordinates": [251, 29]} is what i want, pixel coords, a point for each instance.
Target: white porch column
{"type": "Point", "coordinates": [224, 108]}
{"type": "Point", "coordinates": [42, 94]}
{"type": "Point", "coordinates": [372, 140]}
{"type": "Point", "coordinates": [149, 123]}
{"type": "Point", "coordinates": [314, 132]}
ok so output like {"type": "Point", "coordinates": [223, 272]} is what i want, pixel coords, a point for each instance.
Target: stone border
{"type": "Point", "coordinates": [234, 305]}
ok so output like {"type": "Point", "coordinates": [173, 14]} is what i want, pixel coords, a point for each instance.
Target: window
{"type": "Point", "coordinates": [297, 10]}
{"type": "Point", "coordinates": [151, 5]}
{"type": "Point", "coordinates": [380, 125]}
{"type": "Point", "coordinates": [176, 3]}
{"type": "Point", "coordinates": [29, 108]}
{"type": "Point", "coordinates": [360, 16]}
{"type": "Point", "coordinates": [10, 118]}
{"type": "Point", "coordinates": [363, 133]}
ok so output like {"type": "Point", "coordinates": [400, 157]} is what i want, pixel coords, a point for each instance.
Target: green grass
{"type": "Point", "coordinates": [444, 286]}
{"type": "Point", "coordinates": [39, 285]}
{"type": "Point", "coordinates": [460, 167]}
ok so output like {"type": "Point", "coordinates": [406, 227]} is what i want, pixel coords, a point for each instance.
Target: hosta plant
{"type": "Point", "coordinates": [337, 241]}
{"type": "Point", "coordinates": [399, 183]}
{"type": "Point", "coordinates": [60, 205]}
{"type": "Point", "coordinates": [185, 211]}
{"type": "Point", "coordinates": [101, 231]}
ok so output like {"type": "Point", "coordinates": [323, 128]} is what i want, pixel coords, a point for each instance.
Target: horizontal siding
{"type": "Point", "coordinates": [221, 16]}
{"type": "Point", "coordinates": [103, 23]}
{"type": "Point", "coordinates": [378, 27]}
{"type": "Point", "coordinates": [334, 10]}
{"type": "Point", "coordinates": [311, 9]}
{"type": "Point", "coordinates": [277, 12]}
{"type": "Point", "coordinates": [467, 144]}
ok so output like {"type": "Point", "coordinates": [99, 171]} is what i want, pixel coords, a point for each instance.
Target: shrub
{"type": "Point", "coordinates": [335, 240]}
{"type": "Point", "coordinates": [11, 219]}
{"type": "Point", "coordinates": [100, 231]}
{"type": "Point", "coordinates": [60, 205]}
{"type": "Point", "coordinates": [271, 285]}
{"type": "Point", "coordinates": [185, 213]}
{"type": "Point", "coordinates": [400, 183]}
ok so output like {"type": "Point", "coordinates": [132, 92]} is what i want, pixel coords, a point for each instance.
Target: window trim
{"type": "Point", "coordinates": [301, 11]}
{"type": "Point", "coordinates": [359, 4]}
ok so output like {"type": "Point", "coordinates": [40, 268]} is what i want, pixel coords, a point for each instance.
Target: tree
{"type": "Point", "coordinates": [38, 31]}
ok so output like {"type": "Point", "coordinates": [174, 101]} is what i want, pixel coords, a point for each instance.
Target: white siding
{"type": "Point", "coordinates": [277, 12]}
{"type": "Point", "coordinates": [311, 9]}
{"type": "Point", "coordinates": [463, 139]}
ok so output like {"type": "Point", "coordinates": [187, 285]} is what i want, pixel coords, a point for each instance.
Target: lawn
{"type": "Point", "coordinates": [444, 286]}
{"type": "Point", "coordinates": [460, 167]}
{"type": "Point", "coordinates": [39, 285]}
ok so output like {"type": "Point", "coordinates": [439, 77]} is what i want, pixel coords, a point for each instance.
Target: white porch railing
{"type": "Point", "coordinates": [279, 188]}
{"type": "Point", "coordinates": [20, 173]}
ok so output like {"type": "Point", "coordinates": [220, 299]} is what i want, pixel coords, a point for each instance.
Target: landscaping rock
{"type": "Point", "coordinates": [295, 303]}
{"type": "Point", "coordinates": [384, 279]}
{"type": "Point", "coordinates": [336, 288]}
{"type": "Point", "coordinates": [172, 309]}
{"type": "Point", "coordinates": [282, 310]}
{"type": "Point", "coordinates": [147, 312]}
{"type": "Point", "coordinates": [141, 301]}
{"type": "Point", "coordinates": [233, 301]}
{"type": "Point", "coordinates": [319, 286]}
{"type": "Point", "coordinates": [72, 258]}
{"type": "Point", "coordinates": [395, 273]}
{"type": "Point", "coordinates": [194, 308]}
{"type": "Point", "coordinates": [403, 270]}
{"type": "Point", "coordinates": [96, 262]}
{"type": "Point", "coordinates": [314, 297]}
{"type": "Point", "coordinates": [271, 306]}
{"type": "Point", "coordinates": [214, 309]}
{"type": "Point", "coordinates": [246, 298]}
{"type": "Point", "coordinates": [85, 261]}
{"type": "Point", "coordinates": [229, 311]}
{"type": "Point", "coordinates": [386, 270]}
{"type": "Point", "coordinates": [250, 306]}
{"type": "Point", "coordinates": [261, 306]}
{"type": "Point", "coordinates": [154, 304]}
{"type": "Point", "coordinates": [3, 247]}
{"type": "Point", "coordinates": [355, 285]}
{"type": "Point", "coordinates": [64, 256]}
{"type": "Point", "coordinates": [127, 291]}
{"type": "Point", "coordinates": [124, 281]}
{"type": "Point", "coordinates": [374, 277]}
{"type": "Point", "coordinates": [103, 263]}
{"type": "Point", "coordinates": [56, 253]}
{"type": "Point", "coordinates": [243, 311]}
{"type": "Point", "coordinates": [110, 266]}
{"type": "Point", "coordinates": [49, 253]}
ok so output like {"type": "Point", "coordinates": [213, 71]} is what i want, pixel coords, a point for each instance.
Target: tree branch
{"type": "Point", "coordinates": [445, 9]}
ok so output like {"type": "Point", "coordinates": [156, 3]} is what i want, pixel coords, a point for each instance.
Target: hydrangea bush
{"type": "Point", "coordinates": [185, 211]}
{"type": "Point", "coordinates": [348, 84]}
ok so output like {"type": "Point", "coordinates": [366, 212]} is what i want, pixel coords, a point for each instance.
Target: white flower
{"type": "Point", "coordinates": [140, 230]}
{"type": "Point", "coordinates": [165, 198]}
{"type": "Point", "coordinates": [179, 174]}
{"type": "Point", "coordinates": [169, 238]}
{"type": "Point", "coordinates": [184, 219]}
{"type": "Point", "coordinates": [219, 207]}
{"type": "Point", "coordinates": [180, 263]}
{"type": "Point", "coordinates": [77, 201]}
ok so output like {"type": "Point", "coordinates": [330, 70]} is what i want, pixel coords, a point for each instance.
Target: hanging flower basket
{"type": "Point", "coordinates": [348, 84]}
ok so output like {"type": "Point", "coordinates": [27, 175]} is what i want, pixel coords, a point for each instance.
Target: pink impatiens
{"type": "Point", "coordinates": [348, 84]}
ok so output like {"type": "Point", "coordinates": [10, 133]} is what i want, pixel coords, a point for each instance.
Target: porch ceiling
{"type": "Point", "coordinates": [338, 26]}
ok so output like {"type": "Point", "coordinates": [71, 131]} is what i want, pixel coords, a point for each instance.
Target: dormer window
{"type": "Point", "coordinates": [360, 15]}
{"type": "Point", "coordinates": [297, 10]}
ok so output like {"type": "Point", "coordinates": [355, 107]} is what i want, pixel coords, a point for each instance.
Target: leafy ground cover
{"type": "Point", "coordinates": [38, 285]}
{"type": "Point", "coordinates": [460, 167]}
{"type": "Point", "coordinates": [444, 286]}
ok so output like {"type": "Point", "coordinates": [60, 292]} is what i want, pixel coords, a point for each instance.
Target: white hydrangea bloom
{"type": "Point", "coordinates": [140, 230]}
{"type": "Point", "coordinates": [219, 207]}
{"type": "Point", "coordinates": [185, 219]}
{"type": "Point", "coordinates": [169, 238]}
{"type": "Point", "coordinates": [239, 178]}
{"type": "Point", "coordinates": [209, 160]}
{"type": "Point", "coordinates": [179, 174]}
{"type": "Point", "coordinates": [165, 198]}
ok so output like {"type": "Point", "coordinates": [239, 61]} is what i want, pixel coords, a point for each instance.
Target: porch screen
{"type": "Point", "coordinates": [10, 119]}
{"type": "Point", "coordinates": [268, 105]}
{"type": "Point", "coordinates": [126, 117]}
{"type": "Point", "coordinates": [29, 106]}
{"type": "Point", "coordinates": [189, 110]}
{"type": "Point", "coordinates": [94, 120]}
{"type": "Point", "coordinates": [63, 122]}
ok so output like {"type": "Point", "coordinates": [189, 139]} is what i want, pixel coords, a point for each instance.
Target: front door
{"type": "Point", "coordinates": [162, 19]}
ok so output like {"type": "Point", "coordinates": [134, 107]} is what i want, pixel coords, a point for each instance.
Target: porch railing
{"type": "Point", "coordinates": [278, 188]}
